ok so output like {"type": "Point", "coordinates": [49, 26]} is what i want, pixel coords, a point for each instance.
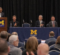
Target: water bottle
{"type": "Point", "coordinates": [10, 24]}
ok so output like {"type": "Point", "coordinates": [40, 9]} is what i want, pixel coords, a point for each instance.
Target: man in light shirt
{"type": "Point", "coordinates": [1, 13]}
{"type": "Point", "coordinates": [40, 22]}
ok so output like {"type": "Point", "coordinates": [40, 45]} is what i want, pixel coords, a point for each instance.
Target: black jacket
{"type": "Point", "coordinates": [24, 52]}
{"type": "Point", "coordinates": [38, 23]}
{"type": "Point", "coordinates": [12, 24]}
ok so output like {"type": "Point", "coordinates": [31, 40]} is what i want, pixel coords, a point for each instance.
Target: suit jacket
{"type": "Point", "coordinates": [50, 24]}
{"type": "Point", "coordinates": [12, 24]}
{"type": "Point", "coordinates": [14, 50]}
{"type": "Point", "coordinates": [38, 23]}
{"type": "Point", "coordinates": [51, 39]}
{"type": "Point", "coordinates": [21, 45]}
{"type": "Point", "coordinates": [2, 14]}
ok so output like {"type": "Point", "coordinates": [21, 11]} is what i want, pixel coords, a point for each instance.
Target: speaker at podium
{"type": "Point", "coordinates": [3, 24]}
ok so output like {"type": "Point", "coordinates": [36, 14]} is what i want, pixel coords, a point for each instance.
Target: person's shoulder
{"type": "Point", "coordinates": [37, 21]}
{"type": "Point", "coordinates": [24, 52]}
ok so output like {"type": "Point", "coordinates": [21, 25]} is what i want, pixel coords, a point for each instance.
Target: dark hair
{"type": "Point", "coordinates": [32, 44]}
{"type": "Point", "coordinates": [4, 35]}
{"type": "Point", "coordinates": [3, 46]}
{"type": "Point", "coordinates": [58, 40]}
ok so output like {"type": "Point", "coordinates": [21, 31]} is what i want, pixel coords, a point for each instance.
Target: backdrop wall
{"type": "Point", "coordinates": [30, 9]}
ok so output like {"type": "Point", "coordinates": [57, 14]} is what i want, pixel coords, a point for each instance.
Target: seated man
{"type": "Point", "coordinates": [40, 22]}
{"type": "Point", "coordinates": [4, 49]}
{"type": "Point", "coordinates": [51, 38]}
{"type": "Point", "coordinates": [14, 23]}
{"type": "Point", "coordinates": [13, 40]}
{"type": "Point", "coordinates": [53, 23]}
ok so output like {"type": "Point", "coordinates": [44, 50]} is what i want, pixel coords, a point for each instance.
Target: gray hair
{"type": "Point", "coordinates": [12, 38]}
{"type": "Point", "coordinates": [41, 16]}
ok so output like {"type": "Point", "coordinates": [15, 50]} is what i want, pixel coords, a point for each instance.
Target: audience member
{"type": "Point", "coordinates": [14, 23]}
{"type": "Point", "coordinates": [4, 35]}
{"type": "Point", "coordinates": [1, 13]}
{"type": "Point", "coordinates": [13, 39]}
{"type": "Point", "coordinates": [43, 49]}
{"type": "Point", "coordinates": [53, 23]}
{"type": "Point", "coordinates": [56, 46]}
{"type": "Point", "coordinates": [31, 46]}
{"type": "Point", "coordinates": [51, 39]}
{"type": "Point", "coordinates": [4, 49]}
{"type": "Point", "coordinates": [21, 44]}
{"type": "Point", "coordinates": [40, 22]}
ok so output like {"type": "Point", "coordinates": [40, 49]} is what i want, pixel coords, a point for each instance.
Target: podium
{"type": "Point", "coordinates": [3, 24]}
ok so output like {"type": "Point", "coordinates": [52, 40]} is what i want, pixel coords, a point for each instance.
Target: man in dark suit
{"type": "Point", "coordinates": [40, 22]}
{"type": "Point", "coordinates": [14, 23]}
{"type": "Point", "coordinates": [53, 23]}
{"type": "Point", "coordinates": [1, 13]}
{"type": "Point", "coordinates": [51, 39]}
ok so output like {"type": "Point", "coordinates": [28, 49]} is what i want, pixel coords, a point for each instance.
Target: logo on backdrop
{"type": "Point", "coordinates": [33, 32]}
{"type": "Point", "coordinates": [2, 23]}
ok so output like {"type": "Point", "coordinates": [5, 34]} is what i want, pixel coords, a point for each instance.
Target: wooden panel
{"type": "Point", "coordinates": [5, 27]}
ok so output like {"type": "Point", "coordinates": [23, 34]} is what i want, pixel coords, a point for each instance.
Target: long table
{"type": "Point", "coordinates": [41, 33]}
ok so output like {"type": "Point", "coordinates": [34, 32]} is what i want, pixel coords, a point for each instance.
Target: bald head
{"type": "Point", "coordinates": [43, 49]}
{"type": "Point", "coordinates": [14, 33]}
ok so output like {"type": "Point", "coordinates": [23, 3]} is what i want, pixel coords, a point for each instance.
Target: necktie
{"type": "Point", "coordinates": [53, 22]}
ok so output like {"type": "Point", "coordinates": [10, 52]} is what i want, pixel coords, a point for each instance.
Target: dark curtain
{"type": "Point", "coordinates": [31, 9]}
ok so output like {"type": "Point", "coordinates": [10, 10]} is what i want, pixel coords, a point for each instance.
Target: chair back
{"type": "Point", "coordinates": [54, 52]}
{"type": "Point", "coordinates": [26, 25]}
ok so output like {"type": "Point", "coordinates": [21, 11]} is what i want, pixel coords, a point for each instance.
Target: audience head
{"type": "Point", "coordinates": [4, 49]}
{"type": "Point", "coordinates": [0, 9]}
{"type": "Point", "coordinates": [51, 34]}
{"type": "Point", "coordinates": [40, 17]}
{"type": "Point", "coordinates": [43, 49]}
{"type": "Point", "coordinates": [58, 40]}
{"type": "Point", "coordinates": [14, 33]}
{"type": "Point", "coordinates": [52, 18]}
{"type": "Point", "coordinates": [13, 39]}
{"type": "Point", "coordinates": [4, 35]}
{"type": "Point", "coordinates": [14, 18]}
{"type": "Point", "coordinates": [32, 44]}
